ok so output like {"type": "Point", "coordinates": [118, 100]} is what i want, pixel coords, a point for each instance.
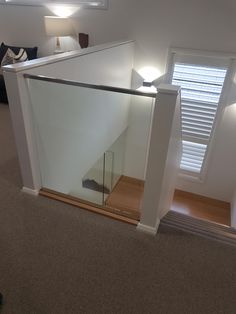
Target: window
{"type": "Point", "coordinates": [201, 89]}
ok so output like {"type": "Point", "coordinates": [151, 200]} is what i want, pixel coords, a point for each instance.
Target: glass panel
{"type": "Point", "coordinates": [118, 154]}
{"type": "Point", "coordinates": [88, 139]}
{"type": "Point", "coordinates": [130, 159]}
{"type": "Point", "coordinates": [92, 184]}
{"type": "Point", "coordinates": [74, 127]}
{"type": "Point", "coordinates": [108, 172]}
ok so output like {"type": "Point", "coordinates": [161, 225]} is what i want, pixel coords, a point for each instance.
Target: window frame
{"type": "Point", "coordinates": [85, 3]}
{"type": "Point", "coordinates": [229, 60]}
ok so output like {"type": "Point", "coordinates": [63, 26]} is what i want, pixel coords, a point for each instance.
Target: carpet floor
{"type": "Point", "coordinates": [57, 259]}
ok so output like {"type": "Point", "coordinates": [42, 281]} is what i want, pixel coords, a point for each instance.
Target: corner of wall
{"type": "Point", "coordinates": [233, 211]}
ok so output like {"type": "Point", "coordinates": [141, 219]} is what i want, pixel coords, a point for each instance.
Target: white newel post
{"type": "Point", "coordinates": [20, 109]}
{"type": "Point", "coordinates": [163, 160]}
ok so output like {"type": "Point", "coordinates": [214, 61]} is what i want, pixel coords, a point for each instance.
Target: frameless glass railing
{"type": "Point", "coordinates": [115, 160]}
{"type": "Point", "coordinates": [92, 140]}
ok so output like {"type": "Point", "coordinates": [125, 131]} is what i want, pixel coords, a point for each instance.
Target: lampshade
{"type": "Point", "coordinates": [58, 26]}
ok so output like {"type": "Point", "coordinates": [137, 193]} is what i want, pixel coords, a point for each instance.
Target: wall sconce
{"type": "Point", "coordinates": [147, 84]}
{"type": "Point", "coordinates": [147, 79]}
{"type": "Point", "coordinates": [58, 27]}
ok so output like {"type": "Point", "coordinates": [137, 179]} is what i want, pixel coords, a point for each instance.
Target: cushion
{"type": "Point", "coordinates": [31, 52]}
{"type": "Point", "coordinates": [11, 58]}
{"type": "Point", "coordinates": [3, 92]}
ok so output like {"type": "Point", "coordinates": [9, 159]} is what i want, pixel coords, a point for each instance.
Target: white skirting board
{"type": "Point", "coordinates": [148, 229]}
{"type": "Point", "coordinates": [30, 191]}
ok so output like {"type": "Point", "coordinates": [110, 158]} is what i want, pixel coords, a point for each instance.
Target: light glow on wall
{"type": "Point", "coordinates": [62, 10]}
{"type": "Point", "coordinates": [232, 109]}
{"type": "Point", "coordinates": [149, 73]}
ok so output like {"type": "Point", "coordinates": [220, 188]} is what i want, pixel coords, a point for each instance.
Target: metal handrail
{"type": "Point", "coordinates": [92, 86]}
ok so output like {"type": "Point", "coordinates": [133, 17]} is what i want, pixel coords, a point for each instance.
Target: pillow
{"type": "Point", "coordinates": [12, 58]}
{"type": "Point", "coordinates": [31, 52]}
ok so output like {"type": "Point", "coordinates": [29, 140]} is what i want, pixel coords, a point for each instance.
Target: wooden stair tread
{"type": "Point", "coordinates": [201, 207]}
{"type": "Point", "coordinates": [127, 195]}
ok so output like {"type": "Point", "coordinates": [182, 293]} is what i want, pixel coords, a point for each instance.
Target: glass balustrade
{"type": "Point", "coordinates": [90, 139]}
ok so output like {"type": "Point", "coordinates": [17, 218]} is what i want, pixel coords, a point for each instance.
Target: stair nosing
{"type": "Point", "coordinates": [200, 227]}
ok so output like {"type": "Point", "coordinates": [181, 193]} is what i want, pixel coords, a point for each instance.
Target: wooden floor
{"type": "Point", "coordinates": [201, 207]}
{"type": "Point", "coordinates": [65, 198]}
{"type": "Point", "coordinates": [127, 196]}
{"type": "Point", "coordinates": [125, 201]}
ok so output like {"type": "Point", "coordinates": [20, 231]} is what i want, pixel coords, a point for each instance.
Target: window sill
{"type": "Point", "coordinates": [191, 178]}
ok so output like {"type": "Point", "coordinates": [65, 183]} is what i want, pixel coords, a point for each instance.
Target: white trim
{"type": "Point", "coordinates": [148, 229]}
{"type": "Point", "coordinates": [172, 51]}
{"type": "Point", "coordinates": [189, 177]}
{"type": "Point", "coordinates": [223, 102]}
{"type": "Point", "coordinates": [28, 65]}
{"type": "Point", "coordinates": [101, 4]}
{"type": "Point", "coordinates": [30, 191]}
{"type": "Point", "coordinates": [229, 60]}
{"type": "Point", "coordinates": [168, 89]}
{"type": "Point", "coordinates": [203, 53]}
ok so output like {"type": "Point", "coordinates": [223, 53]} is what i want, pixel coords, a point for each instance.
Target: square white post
{"type": "Point", "coordinates": [164, 158]}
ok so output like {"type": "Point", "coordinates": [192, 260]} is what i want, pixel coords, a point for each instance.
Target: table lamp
{"type": "Point", "coordinates": [58, 27]}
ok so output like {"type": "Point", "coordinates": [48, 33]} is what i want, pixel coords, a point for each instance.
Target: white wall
{"type": "Point", "coordinates": [24, 26]}
{"type": "Point", "coordinates": [102, 65]}
{"type": "Point", "coordinates": [137, 144]}
{"type": "Point", "coordinates": [155, 25]}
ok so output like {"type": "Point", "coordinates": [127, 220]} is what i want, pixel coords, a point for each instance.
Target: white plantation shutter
{"type": "Point", "coordinates": [201, 88]}
{"type": "Point", "coordinates": [193, 156]}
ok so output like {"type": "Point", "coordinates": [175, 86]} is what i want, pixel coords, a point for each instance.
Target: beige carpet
{"type": "Point", "coordinates": [57, 259]}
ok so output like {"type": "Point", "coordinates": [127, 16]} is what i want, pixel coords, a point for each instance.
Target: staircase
{"type": "Point", "coordinates": [200, 227]}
